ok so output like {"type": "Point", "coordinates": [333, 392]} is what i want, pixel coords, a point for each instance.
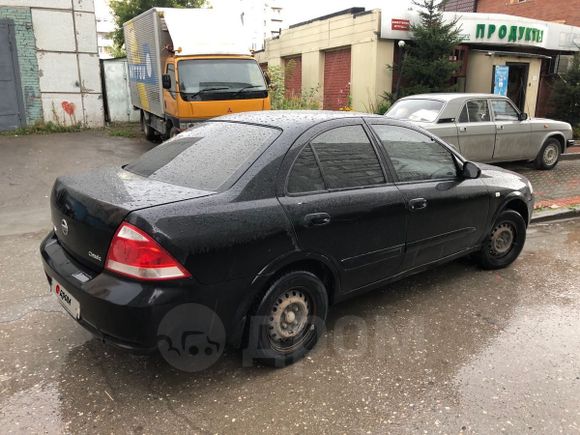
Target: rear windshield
{"type": "Point", "coordinates": [415, 110]}
{"type": "Point", "coordinates": [206, 156]}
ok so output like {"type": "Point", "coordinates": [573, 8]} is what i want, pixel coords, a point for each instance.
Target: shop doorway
{"type": "Point", "coordinates": [518, 83]}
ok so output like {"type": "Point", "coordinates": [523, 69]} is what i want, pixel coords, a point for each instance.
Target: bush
{"type": "Point", "coordinates": [565, 98]}
{"type": "Point", "coordinates": [308, 99]}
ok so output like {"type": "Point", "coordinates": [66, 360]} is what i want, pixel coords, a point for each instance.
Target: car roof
{"type": "Point", "coordinates": [290, 119]}
{"type": "Point", "coordinates": [451, 96]}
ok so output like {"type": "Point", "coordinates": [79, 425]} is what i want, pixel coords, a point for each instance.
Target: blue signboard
{"type": "Point", "coordinates": [500, 81]}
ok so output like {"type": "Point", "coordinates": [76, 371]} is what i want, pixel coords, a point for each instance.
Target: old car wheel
{"type": "Point", "coordinates": [549, 154]}
{"type": "Point", "coordinates": [289, 319]}
{"type": "Point", "coordinates": [147, 130]}
{"type": "Point", "coordinates": [505, 241]}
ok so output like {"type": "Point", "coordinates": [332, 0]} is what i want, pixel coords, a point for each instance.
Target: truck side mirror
{"type": "Point", "coordinates": [166, 81]}
{"type": "Point", "coordinates": [523, 116]}
{"type": "Point", "coordinates": [268, 80]}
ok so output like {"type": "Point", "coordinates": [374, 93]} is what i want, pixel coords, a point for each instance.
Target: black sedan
{"type": "Point", "coordinates": [266, 219]}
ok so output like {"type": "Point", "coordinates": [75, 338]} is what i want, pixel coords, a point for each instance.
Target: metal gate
{"type": "Point", "coordinates": [11, 106]}
{"type": "Point", "coordinates": [116, 89]}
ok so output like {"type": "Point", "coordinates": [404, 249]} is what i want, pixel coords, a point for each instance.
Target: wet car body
{"type": "Point", "coordinates": [485, 127]}
{"type": "Point", "coordinates": [236, 239]}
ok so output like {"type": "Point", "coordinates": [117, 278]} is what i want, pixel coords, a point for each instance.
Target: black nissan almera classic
{"type": "Point", "coordinates": [272, 216]}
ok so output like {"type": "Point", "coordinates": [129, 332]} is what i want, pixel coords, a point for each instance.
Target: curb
{"type": "Point", "coordinates": [570, 156]}
{"type": "Point", "coordinates": [552, 215]}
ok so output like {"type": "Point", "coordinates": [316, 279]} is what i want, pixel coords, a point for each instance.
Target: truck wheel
{"type": "Point", "coordinates": [147, 130]}
{"type": "Point", "coordinates": [549, 154]}
{"type": "Point", "coordinates": [288, 320]}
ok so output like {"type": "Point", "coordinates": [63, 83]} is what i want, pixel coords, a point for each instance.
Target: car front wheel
{"type": "Point", "coordinates": [288, 320]}
{"type": "Point", "coordinates": [549, 155]}
{"type": "Point", "coordinates": [505, 241]}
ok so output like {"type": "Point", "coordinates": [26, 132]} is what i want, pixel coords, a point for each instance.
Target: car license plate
{"type": "Point", "coordinates": [69, 303]}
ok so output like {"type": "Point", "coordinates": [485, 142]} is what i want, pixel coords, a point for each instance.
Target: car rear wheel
{"type": "Point", "coordinates": [505, 241]}
{"type": "Point", "coordinates": [549, 154]}
{"type": "Point", "coordinates": [288, 320]}
{"type": "Point", "coordinates": [147, 130]}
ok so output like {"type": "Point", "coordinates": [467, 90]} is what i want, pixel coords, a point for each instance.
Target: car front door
{"type": "Point", "coordinates": [342, 204]}
{"type": "Point", "coordinates": [476, 131]}
{"type": "Point", "coordinates": [512, 138]}
{"type": "Point", "coordinates": [446, 213]}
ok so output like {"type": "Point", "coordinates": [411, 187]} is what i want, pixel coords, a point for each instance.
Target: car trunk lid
{"type": "Point", "coordinates": [87, 209]}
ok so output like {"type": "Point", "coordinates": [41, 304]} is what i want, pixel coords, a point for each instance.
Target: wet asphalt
{"type": "Point", "coordinates": [452, 350]}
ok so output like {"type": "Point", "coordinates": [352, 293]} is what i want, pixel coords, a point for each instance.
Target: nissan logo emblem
{"type": "Point", "coordinates": [64, 226]}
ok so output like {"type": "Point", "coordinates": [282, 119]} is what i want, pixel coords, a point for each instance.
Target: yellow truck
{"type": "Point", "coordinates": [188, 65]}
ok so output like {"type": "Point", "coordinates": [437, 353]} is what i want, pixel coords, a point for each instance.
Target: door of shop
{"type": "Point", "coordinates": [11, 107]}
{"type": "Point", "coordinates": [517, 84]}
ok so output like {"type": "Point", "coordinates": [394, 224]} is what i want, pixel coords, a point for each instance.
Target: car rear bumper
{"type": "Point", "coordinates": [127, 313]}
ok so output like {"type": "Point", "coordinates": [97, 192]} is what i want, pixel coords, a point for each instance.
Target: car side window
{"type": "Point", "coordinates": [503, 111]}
{"type": "Point", "coordinates": [475, 111]}
{"type": "Point", "coordinates": [305, 175]}
{"type": "Point", "coordinates": [171, 74]}
{"type": "Point", "coordinates": [415, 156]}
{"type": "Point", "coordinates": [347, 158]}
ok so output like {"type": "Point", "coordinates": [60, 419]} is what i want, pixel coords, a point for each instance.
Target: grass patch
{"type": "Point", "coordinates": [43, 128]}
{"type": "Point", "coordinates": [129, 130]}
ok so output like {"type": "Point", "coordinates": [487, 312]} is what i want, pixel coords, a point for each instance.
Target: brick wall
{"type": "Point", "coordinates": [565, 11]}
{"type": "Point", "coordinates": [27, 62]}
{"type": "Point", "coordinates": [293, 76]}
{"type": "Point", "coordinates": [461, 5]}
{"type": "Point", "coordinates": [336, 79]}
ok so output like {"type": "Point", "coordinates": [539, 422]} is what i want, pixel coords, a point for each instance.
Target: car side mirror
{"type": "Point", "coordinates": [470, 170]}
{"type": "Point", "coordinates": [166, 81]}
{"type": "Point", "coordinates": [523, 116]}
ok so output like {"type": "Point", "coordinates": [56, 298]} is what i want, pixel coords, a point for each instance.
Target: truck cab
{"type": "Point", "coordinates": [189, 65]}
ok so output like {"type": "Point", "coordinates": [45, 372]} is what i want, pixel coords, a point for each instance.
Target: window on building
{"type": "Point", "coordinates": [415, 156]}
{"type": "Point", "coordinates": [347, 158]}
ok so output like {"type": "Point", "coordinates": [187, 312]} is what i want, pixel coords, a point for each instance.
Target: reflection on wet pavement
{"type": "Point", "coordinates": [450, 350]}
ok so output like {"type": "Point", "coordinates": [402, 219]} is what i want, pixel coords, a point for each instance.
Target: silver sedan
{"type": "Point", "coordinates": [486, 127]}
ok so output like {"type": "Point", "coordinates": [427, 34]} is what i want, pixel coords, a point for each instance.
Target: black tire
{"type": "Point", "coordinates": [149, 132]}
{"type": "Point", "coordinates": [288, 296]}
{"type": "Point", "coordinates": [500, 249]}
{"type": "Point", "coordinates": [549, 154]}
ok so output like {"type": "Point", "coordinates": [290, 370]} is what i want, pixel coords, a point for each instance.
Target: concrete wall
{"type": "Point", "coordinates": [370, 56]}
{"type": "Point", "coordinates": [58, 60]}
{"type": "Point", "coordinates": [480, 70]}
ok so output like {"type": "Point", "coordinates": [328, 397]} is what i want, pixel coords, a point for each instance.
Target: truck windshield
{"type": "Point", "coordinates": [222, 78]}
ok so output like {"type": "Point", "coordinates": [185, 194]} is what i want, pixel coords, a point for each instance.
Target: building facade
{"type": "Point", "coordinates": [350, 57]}
{"type": "Point", "coordinates": [50, 65]}
{"type": "Point", "coordinates": [560, 11]}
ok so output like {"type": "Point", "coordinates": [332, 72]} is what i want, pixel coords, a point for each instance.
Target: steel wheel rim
{"type": "Point", "coordinates": [550, 155]}
{"type": "Point", "coordinates": [502, 239]}
{"type": "Point", "coordinates": [289, 319]}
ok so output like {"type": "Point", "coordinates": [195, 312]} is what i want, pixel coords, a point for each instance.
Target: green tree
{"type": "Point", "coordinates": [124, 10]}
{"type": "Point", "coordinates": [565, 100]}
{"type": "Point", "coordinates": [427, 66]}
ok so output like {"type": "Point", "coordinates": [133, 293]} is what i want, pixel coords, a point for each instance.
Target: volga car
{"type": "Point", "coordinates": [487, 127]}
{"type": "Point", "coordinates": [272, 217]}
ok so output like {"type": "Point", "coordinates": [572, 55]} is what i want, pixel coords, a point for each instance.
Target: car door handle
{"type": "Point", "coordinates": [499, 127]}
{"type": "Point", "coordinates": [417, 204]}
{"type": "Point", "coordinates": [462, 128]}
{"type": "Point", "coordinates": [316, 219]}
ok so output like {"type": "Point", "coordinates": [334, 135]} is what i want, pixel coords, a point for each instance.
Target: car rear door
{"type": "Point", "coordinates": [446, 213]}
{"type": "Point", "coordinates": [476, 131]}
{"type": "Point", "coordinates": [342, 204]}
{"type": "Point", "coordinates": [512, 137]}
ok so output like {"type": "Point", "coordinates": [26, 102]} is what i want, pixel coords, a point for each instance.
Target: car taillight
{"type": "Point", "coordinates": [135, 254]}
